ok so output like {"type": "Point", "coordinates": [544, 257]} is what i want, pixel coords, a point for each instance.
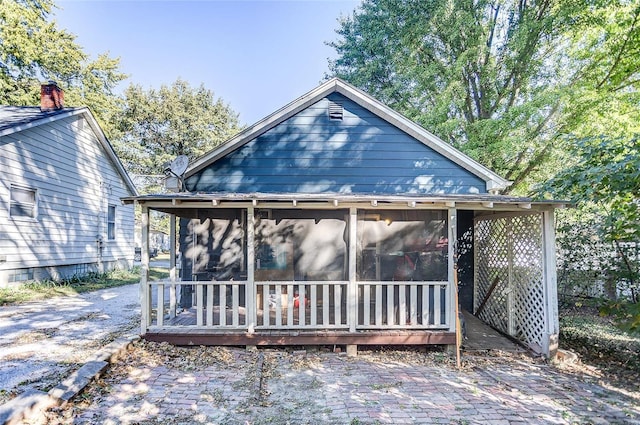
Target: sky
{"type": "Point", "coordinates": [255, 55]}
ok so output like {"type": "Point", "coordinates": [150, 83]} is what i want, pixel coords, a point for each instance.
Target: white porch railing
{"type": "Point", "coordinates": [296, 305]}
{"type": "Point", "coordinates": [402, 305]}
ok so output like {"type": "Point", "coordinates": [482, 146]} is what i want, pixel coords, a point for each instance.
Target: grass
{"type": "Point", "coordinates": [599, 341]}
{"type": "Point", "coordinates": [39, 290]}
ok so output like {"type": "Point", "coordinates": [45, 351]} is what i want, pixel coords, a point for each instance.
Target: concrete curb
{"type": "Point", "coordinates": [34, 402]}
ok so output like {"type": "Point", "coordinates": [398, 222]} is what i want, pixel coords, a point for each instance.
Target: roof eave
{"type": "Point", "coordinates": [40, 121]}
{"type": "Point", "coordinates": [484, 202]}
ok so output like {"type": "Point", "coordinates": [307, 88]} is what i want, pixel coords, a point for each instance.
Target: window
{"type": "Point", "coordinates": [20, 275]}
{"type": "Point", "coordinates": [23, 202]}
{"type": "Point", "coordinates": [111, 222]}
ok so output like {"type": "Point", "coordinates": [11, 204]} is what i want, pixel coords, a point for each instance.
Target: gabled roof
{"type": "Point", "coordinates": [14, 119]}
{"type": "Point", "coordinates": [493, 181]}
{"type": "Point", "coordinates": [18, 118]}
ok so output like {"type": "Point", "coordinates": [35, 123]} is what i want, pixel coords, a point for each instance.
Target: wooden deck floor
{"type": "Point", "coordinates": [482, 337]}
{"type": "Point", "coordinates": [181, 331]}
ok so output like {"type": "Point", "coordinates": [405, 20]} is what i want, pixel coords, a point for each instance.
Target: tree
{"type": "Point", "coordinates": [604, 182]}
{"type": "Point", "coordinates": [502, 80]}
{"type": "Point", "coordinates": [33, 49]}
{"type": "Point", "coordinates": [155, 126]}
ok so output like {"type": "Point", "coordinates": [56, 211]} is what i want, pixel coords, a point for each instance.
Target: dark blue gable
{"type": "Point", "coordinates": [359, 154]}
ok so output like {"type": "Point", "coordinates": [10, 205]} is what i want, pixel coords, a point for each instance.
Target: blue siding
{"type": "Point", "coordinates": [361, 154]}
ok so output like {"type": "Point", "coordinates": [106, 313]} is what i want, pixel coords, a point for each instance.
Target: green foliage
{"type": "Point", "coordinates": [155, 126]}
{"type": "Point", "coordinates": [33, 49]}
{"type": "Point", "coordinates": [605, 172]}
{"type": "Point", "coordinates": [600, 241]}
{"type": "Point", "coordinates": [472, 72]}
{"type": "Point", "coordinates": [603, 235]}
{"type": "Point", "coordinates": [627, 314]}
{"type": "Point", "coordinates": [596, 339]}
{"type": "Point", "coordinates": [502, 80]}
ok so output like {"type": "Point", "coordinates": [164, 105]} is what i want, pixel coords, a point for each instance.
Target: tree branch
{"type": "Point", "coordinates": [618, 58]}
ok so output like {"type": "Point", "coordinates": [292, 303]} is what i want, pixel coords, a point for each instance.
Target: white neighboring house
{"type": "Point", "coordinates": [60, 189]}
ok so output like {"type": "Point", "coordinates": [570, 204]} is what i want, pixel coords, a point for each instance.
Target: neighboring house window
{"type": "Point", "coordinates": [21, 275]}
{"type": "Point", "coordinates": [111, 222]}
{"type": "Point", "coordinates": [23, 202]}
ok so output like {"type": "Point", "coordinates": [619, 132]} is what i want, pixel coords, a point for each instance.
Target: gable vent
{"type": "Point", "coordinates": [336, 112]}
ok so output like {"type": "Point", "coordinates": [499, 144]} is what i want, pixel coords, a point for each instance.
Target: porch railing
{"type": "Point", "coordinates": [307, 305]}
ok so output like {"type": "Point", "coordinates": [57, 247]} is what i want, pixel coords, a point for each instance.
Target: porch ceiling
{"type": "Point", "coordinates": [177, 203]}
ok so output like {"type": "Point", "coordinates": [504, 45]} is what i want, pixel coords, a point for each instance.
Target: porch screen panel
{"type": "Point", "coordinates": [301, 268]}
{"type": "Point", "coordinates": [401, 268]}
{"type": "Point", "coordinates": [301, 245]}
{"type": "Point", "coordinates": [509, 280]}
{"type": "Point", "coordinates": [409, 245]}
{"type": "Point", "coordinates": [213, 248]}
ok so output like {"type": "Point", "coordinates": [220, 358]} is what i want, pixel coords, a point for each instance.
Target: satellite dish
{"type": "Point", "coordinates": [179, 165]}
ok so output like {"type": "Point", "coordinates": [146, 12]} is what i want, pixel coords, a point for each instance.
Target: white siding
{"type": "Point", "coordinates": [75, 181]}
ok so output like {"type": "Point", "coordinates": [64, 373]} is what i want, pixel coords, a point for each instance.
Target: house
{"type": "Point", "coordinates": [60, 190]}
{"type": "Point", "coordinates": [336, 220]}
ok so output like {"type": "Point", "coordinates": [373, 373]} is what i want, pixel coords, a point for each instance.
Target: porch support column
{"type": "Point", "coordinates": [145, 300]}
{"type": "Point", "coordinates": [511, 284]}
{"type": "Point", "coordinates": [250, 291]}
{"type": "Point", "coordinates": [352, 292]}
{"type": "Point", "coordinates": [552, 327]}
{"type": "Point", "coordinates": [453, 251]}
{"type": "Point", "coordinates": [172, 265]}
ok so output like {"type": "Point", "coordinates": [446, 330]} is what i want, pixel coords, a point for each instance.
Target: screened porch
{"type": "Point", "coordinates": [264, 271]}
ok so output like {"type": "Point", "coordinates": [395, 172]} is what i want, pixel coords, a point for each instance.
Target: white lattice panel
{"type": "Point", "coordinates": [509, 276]}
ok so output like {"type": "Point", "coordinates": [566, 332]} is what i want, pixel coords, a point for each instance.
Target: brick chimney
{"type": "Point", "coordinates": [51, 96]}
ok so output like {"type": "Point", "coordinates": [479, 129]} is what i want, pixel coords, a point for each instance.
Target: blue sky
{"type": "Point", "coordinates": [256, 55]}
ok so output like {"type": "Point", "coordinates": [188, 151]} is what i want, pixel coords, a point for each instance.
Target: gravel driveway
{"type": "Point", "coordinates": [40, 342]}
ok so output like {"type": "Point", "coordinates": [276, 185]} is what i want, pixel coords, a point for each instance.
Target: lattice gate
{"type": "Point", "coordinates": [509, 289]}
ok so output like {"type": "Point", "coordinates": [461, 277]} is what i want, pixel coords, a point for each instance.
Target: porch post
{"type": "Point", "coordinates": [250, 292]}
{"type": "Point", "coordinates": [145, 301]}
{"type": "Point", "coordinates": [352, 292]}
{"type": "Point", "coordinates": [510, 282]}
{"type": "Point", "coordinates": [453, 237]}
{"type": "Point", "coordinates": [172, 265]}
{"type": "Point", "coordinates": [552, 327]}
